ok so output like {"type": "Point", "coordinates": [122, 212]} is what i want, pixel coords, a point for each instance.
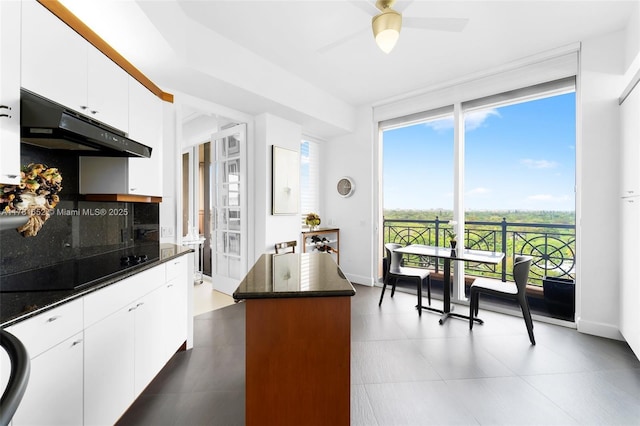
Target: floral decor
{"type": "Point", "coordinates": [452, 233]}
{"type": "Point", "coordinates": [35, 196]}
{"type": "Point", "coordinates": [312, 220]}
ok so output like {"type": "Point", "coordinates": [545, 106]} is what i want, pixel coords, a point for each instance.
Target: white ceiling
{"type": "Point", "coordinates": [275, 56]}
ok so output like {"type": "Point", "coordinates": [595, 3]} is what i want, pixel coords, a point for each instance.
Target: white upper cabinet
{"type": "Point", "coordinates": [59, 64]}
{"type": "Point", "coordinates": [54, 57]}
{"type": "Point", "coordinates": [145, 126]}
{"type": "Point", "coordinates": [9, 92]}
{"type": "Point", "coordinates": [107, 91]}
{"type": "Point", "coordinates": [131, 176]}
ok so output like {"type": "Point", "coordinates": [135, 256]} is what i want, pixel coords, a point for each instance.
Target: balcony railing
{"type": "Point", "coordinates": [552, 246]}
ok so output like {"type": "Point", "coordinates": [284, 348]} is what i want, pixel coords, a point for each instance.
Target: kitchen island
{"type": "Point", "coordinates": [298, 340]}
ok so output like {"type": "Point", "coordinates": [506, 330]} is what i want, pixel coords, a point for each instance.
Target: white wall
{"type": "Point", "coordinates": [270, 229]}
{"type": "Point", "coordinates": [606, 66]}
{"type": "Point", "coordinates": [602, 65]}
{"type": "Point", "coordinates": [171, 155]}
{"type": "Point", "coordinates": [352, 156]}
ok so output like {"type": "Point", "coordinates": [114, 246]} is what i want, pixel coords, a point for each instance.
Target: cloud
{"type": "Point", "coordinates": [476, 119]}
{"type": "Point", "coordinates": [440, 125]}
{"type": "Point", "coordinates": [472, 120]}
{"type": "Point", "coordinates": [539, 164]}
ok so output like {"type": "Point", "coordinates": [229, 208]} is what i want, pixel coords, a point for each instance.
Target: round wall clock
{"type": "Point", "coordinates": [346, 186]}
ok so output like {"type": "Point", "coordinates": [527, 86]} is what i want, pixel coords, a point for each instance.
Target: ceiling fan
{"type": "Point", "coordinates": [387, 22]}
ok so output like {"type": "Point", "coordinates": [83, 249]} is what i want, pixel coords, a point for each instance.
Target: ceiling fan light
{"type": "Point", "coordinates": [387, 39]}
{"type": "Point", "coordinates": [386, 29]}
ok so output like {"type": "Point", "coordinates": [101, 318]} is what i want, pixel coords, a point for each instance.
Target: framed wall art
{"type": "Point", "coordinates": [285, 181]}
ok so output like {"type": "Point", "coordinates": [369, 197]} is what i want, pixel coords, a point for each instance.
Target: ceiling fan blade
{"type": "Point", "coordinates": [438, 24]}
{"type": "Point", "coordinates": [345, 39]}
{"type": "Point", "coordinates": [368, 7]}
{"type": "Point", "coordinates": [401, 5]}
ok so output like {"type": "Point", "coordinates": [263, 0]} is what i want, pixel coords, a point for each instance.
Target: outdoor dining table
{"type": "Point", "coordinates": [449, 254]}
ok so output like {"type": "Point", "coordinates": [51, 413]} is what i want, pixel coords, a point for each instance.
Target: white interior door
{"type": "Point", "coordinates": [228, 208]}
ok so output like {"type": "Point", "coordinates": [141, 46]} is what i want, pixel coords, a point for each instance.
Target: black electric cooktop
{"type": "Point", "coordinates": [79, 273]}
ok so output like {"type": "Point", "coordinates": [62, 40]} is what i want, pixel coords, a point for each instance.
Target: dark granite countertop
{"type": "Point", "coordinates": [20, 305]}
{"type": "Point", "coordinates": [294, 275]}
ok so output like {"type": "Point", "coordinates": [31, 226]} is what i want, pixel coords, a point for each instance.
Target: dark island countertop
{"type": "Point", "coordinates": [17, 306]}
{"type": "Point", "coordinates": [294, 275]}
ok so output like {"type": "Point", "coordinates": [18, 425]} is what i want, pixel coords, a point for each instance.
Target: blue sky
{"type": "Point", "coordinates": [517, 157]}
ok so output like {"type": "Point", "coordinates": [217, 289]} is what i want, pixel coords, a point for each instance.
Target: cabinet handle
{"type": "Point", "coordinates": [94, 112]}
{"type": "Point", "coordinates": [5, 115]}
{"type": "Point", "coordinates": [5, 107]}
{"type": "Point", "coordinates": [83, 107]}
{"type": "Point", "coordinates": [77, 342]}
{"type": "Point", "coordinates": [133, 308]}
{"type": "Point", "coordinates": [169, 285]}
{"type": "Point", "coordinates": [139, 304]}
{"type": "Point", "coordinates": [52, 319]}
{"type": "Point", "coordinates": [11, 176]}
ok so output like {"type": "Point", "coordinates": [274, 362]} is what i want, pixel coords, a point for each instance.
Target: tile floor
{"type": "Point", "coordinates": [409, 370]}
{"type": "Point", "coordinates": [206, 299]}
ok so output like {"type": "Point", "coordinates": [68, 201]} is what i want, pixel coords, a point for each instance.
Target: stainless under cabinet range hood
{"type": "Point", "coordinates": [50, 125]}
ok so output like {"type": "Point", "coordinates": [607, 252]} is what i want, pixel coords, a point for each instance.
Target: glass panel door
{"type": "Point", "coordinates": [228, 208]}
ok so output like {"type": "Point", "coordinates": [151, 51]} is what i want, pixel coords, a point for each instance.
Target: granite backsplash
{"type": "Point", "coordinates": [76, 228]}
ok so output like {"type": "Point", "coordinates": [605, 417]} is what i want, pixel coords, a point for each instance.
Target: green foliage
{"type": "Point", "coordinates": [522, 216]}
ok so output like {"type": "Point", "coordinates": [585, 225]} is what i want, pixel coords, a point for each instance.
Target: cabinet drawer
{"type": "Point", "coordinates": [176, 267]}
{"type": "Point", "coordinates": [50, 328]}
{"type": "Point", "coordinates": [104, 302]}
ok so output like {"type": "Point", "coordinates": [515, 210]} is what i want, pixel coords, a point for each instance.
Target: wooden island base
{"type": "Point", "coordinates": [298, 361]}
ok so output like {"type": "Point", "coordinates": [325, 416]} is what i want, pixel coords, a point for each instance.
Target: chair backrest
{"type": "Point", "coordinates": [286, 247]}
{"type": "Point", "coordinates": [521, 267]}
{"type": "Point", "coordinates": [394, 259]}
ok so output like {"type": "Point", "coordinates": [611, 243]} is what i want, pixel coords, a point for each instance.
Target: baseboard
{"type": "Point", "coordinates": [599, 329]}
{"type": "Point", "coordinates": [360, 279]}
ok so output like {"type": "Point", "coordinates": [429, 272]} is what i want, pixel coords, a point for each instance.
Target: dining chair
{"type": "Point", "coordinates": [286, 247]}
{"type": "Point", "coordinates": [395, 271]}
{"type": "Point", "coordinates": [509, 290]}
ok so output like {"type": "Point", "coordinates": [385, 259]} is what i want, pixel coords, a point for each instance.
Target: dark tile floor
{"type": "Point", "coordinates": [409, 370]}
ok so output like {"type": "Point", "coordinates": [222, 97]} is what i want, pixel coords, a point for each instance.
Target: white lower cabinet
{"type": "Point", "coordinates": [127, 349]}
{"type": "Point", "coordinates": [91, 357]}
{"type": "Point", "coordinates": [54, 393]}
{"type": "Point", "coordinates": [174, 319]}
{"type": "Point", "coordinates": [54, 343]}
{"type": "Point", "coordinates": [108, 368]}
{"type": "Point", "coordinates": [148, 350]}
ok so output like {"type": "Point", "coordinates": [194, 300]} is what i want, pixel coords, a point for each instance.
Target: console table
{"type": "Point", "coordinates": [298, 340]}
{"type": "Point", "coordinates": [332, 243]}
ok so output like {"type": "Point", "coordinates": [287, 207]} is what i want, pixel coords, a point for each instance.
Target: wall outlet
{"type": "Point", "coordinates": [166, 231]}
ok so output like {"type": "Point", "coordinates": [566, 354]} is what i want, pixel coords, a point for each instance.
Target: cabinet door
{"type": "Point", "coordinates": [630, 283]}
{"type": "Point", "coordinates": [175, 306]}
{"type": "Point", "coordinates": [54, 58]}
{"type": "Point", "coordinates": [149, 339]}
{"type": "Point", "coordinates": [108, 91]}
{"type": "Point", "coordinates": [9, 92]}
{"type": "Point", "coordinates": [54, 393]}
{"type": "Point", "coordinates": [145, 126]}
{"type": "Point", "coordinates": [109, 368]}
